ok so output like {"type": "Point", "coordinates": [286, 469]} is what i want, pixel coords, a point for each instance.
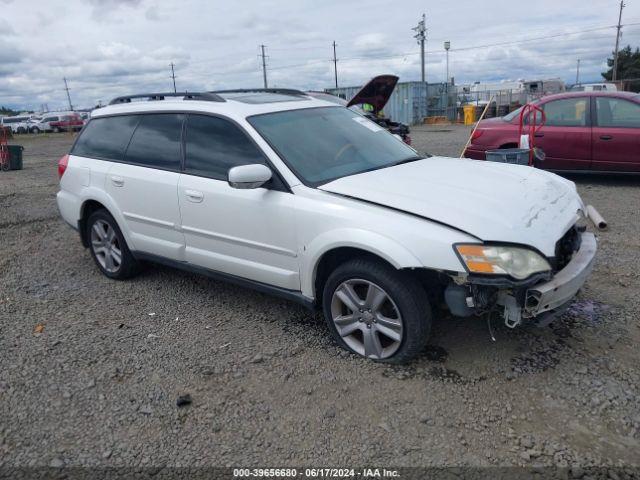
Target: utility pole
{"type": "Point", "coordinates": [335, 63]}
{"type": "Point", "coordinates": [66, 87]}
{"type": "Point", "coordinates": [447, 46]}
{"type": "Point", "coordinates": [420, 36]}
{"type": "Point", "coordinates": [578, 73]}
{"type": "Point", "coordinates": [614, 76]}
{"type": "Point", "coordinates": [173, 76]}
{"type": "Point", "coordinates": [264, 66]}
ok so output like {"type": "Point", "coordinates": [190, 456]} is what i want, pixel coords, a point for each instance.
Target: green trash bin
{"type": "Point", "coordinates": [15, 157]}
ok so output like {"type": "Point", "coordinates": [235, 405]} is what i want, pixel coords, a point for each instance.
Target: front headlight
{"type": "Point", "coordinates": [517, 262]}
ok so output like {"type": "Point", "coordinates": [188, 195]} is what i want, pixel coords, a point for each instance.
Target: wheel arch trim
{"type": "Point", "coordinates": [102, 198]}
{"type": "Point", "coordinates": [373, 243]}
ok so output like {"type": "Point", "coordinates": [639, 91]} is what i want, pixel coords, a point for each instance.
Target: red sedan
{"type": "Point", "coordinates": [67, 122]}
{"type": "Point", "coordinates": [594, 131]}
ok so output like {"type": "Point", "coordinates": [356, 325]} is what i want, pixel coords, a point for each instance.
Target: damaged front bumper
{"type": "Point", "coordinates": [538, 300]}
{"type": "Point", "coordinates": [560, 290]}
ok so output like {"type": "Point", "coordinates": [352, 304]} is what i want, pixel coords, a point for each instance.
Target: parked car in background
{"type": "Point", "coordinates": [32, 123]}
{"type": "Point", "coordinates": [306, 199]}
{"type": "Point", "coordinates": [370, 101]}
{"type": "Point", "coordinates": [18, 124]}
{"type": "Point", "coordinates": [58, 123]}
{"type": "Point", "coordinates": [587, 131]}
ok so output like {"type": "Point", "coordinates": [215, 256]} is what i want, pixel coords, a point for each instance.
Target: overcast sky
{"type": "Point", "coordinates": [110, 47]}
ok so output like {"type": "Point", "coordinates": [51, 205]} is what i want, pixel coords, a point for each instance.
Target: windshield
{"type": "Point", "coordinates": [323, 144]}
{"type": "Point", "coordinates": [516, 113]}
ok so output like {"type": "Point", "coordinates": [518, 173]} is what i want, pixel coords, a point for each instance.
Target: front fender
{"type": "Point", "coordinates": [372, 242]}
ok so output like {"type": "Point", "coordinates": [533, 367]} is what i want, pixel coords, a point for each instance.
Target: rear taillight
{"type": "Point", "coordinates": [476, 134]}
{"type": "Point", "coordinates": [62, 165]}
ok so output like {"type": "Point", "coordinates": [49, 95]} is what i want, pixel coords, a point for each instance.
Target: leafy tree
{"type": "Point", "coordinates": [5, 111]}
{"type": "Point", "coordinates": [628, 67]}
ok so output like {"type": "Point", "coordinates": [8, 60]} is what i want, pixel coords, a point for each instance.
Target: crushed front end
{"type": "Point", "coordinates": [539, 297]}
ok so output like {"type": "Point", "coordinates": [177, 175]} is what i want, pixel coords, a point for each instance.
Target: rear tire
{"type": "Point", "coordinates": [376, 311]}
{"type": "Point", "coordinates": [56, 130]}
{"type": "Point", "coordinates": [108, 246]}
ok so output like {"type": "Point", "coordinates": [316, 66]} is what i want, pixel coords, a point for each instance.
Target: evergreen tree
{"type": "Point", "coordinates": [628, 68]}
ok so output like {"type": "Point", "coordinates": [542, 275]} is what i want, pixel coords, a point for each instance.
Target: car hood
{"type": "Point", "coordinates": [492, 201]}
{"type": "Point", "coordinates": [376, 93]}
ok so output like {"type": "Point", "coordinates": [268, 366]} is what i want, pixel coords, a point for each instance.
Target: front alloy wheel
{"type": "Point", "coordinates": [367, 319]}
{"type": "Point", "coordinates": [376, 311]}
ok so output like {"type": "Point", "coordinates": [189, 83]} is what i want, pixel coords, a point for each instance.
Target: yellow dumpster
{"type": "Point", "coordinates": [469, 114]}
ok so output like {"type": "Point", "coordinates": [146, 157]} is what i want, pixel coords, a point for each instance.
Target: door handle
{"type": "Point", "coordinates": [606, 137]}
{"type": "Point", "coordinates": [117, 180]}
{"type": "Point", "coordinates": [194, 196]}
{"type": "Point", "coordinates": [538, 135]}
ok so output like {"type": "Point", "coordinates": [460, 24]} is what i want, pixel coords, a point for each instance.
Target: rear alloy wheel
{"type": "Point", "coordinates": [105, 246]}
{"type": "Point", "coordinates": [108, 247]}
{"type": "Point", "coordinates": [35, 130]}
{"type": "Point", "coordinates": [56, 130]}
{"type": "Point", "coordinates": [377, 311]}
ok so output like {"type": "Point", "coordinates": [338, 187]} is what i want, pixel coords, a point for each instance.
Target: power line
{"type": "Point", "coordinates": [532, 39]}
{"type": "Point", "coordinates": [264, 66]}
{"type": "Point", "coordinates": [460, 49]}
{"type": "Point", "coordinates": [173, 77]}
{"type": "Point", "coordinates": [614, 75]}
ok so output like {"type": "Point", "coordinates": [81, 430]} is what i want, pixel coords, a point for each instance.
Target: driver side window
{"type": "Point", "coordinates": [214, 145]}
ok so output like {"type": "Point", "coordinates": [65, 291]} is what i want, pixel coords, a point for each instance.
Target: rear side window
{"type": "Point", "coordinates": [616, 112]}
{"type": "Point", "coordinates": [106, 137]}
{"type": "Point", "coordinates": [156, 141]}
{"type": "Point", "coordinates": [214, 145]}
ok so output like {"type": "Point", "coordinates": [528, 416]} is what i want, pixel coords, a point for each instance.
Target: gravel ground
{"type": "Point", "coordinates": [92, 368]}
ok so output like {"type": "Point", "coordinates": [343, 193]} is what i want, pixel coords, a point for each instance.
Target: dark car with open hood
{"type": "Point", "coordinates": [370, 101]}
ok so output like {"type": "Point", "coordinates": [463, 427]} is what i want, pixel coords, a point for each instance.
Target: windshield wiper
{"type": "Point", "coordinates": [407, 160]}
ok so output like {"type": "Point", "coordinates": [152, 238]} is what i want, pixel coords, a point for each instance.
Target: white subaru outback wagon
{"type": "Point", "coordinates": [299, 197]}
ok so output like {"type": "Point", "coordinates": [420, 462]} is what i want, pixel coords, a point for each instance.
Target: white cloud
{"type": "Point", "coordinates": [110, 47]}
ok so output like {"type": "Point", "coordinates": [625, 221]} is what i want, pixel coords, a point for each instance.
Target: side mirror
{"type": "Point", "coordinates": [249, 176]}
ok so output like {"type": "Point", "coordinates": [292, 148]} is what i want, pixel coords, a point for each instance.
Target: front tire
{"type": "Point", "coordinates": [108, 246]}
{"type": "Point", "coordinates": [377, 311]}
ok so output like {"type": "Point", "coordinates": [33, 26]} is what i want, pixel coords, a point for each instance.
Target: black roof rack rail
{"type": "Point", "coordinates": [205, 96]}
{"type": "Point", "coordinates": [282, 91]}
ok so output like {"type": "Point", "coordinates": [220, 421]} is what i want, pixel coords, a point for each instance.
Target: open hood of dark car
{"type": "Point", "coordinates": [376, 92]}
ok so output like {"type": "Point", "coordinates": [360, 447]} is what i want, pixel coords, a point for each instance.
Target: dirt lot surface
{"type": "Point", "coordinates": [92, 368]}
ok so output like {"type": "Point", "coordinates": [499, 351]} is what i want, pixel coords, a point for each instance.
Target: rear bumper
{"type": "Point", "coordinates": [474, 153]}
{"type": "Point", "coordinates": [557, 292]}
{"type": "Point", "coordinates": [69, 207]}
